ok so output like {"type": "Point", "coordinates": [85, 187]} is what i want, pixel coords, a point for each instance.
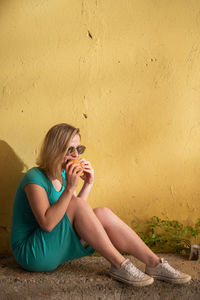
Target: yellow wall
{"type": "Point", "coordinates": [125, 72]}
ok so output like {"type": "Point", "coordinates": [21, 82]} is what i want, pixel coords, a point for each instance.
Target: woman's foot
{"type": "Point", "coordinates": [163, 271]}
{"type": "Point", "coordinates": [128, 273]}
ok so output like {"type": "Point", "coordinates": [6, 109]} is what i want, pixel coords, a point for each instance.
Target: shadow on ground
{"type": "Point", "coordinates": [87, 278]}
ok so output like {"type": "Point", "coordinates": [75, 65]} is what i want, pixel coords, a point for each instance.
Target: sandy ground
{"type": "Point", "coordinates": [87, 278]}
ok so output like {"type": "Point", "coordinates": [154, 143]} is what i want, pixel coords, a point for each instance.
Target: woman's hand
{"type": "Point", "coordinates": [72, 174]}
{"type": "Point", "coordinates": [88, 175]}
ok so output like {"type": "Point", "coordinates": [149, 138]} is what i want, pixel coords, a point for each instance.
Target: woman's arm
{"type": "Point", "coordinates": [85, 191]}
{"type": "Point", "coordinates": [48, 216]}
{"type": "Point", "coordinates": [88, 178]}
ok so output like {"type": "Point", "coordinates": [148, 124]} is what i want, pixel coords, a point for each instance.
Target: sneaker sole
{"type": "Point", "coordinates": [171, 280]}
{"type": "Point", "coordinates": [134, 283]}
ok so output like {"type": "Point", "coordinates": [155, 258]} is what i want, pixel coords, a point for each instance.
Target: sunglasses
{"type": "Point", "coordinates": [80, 149]}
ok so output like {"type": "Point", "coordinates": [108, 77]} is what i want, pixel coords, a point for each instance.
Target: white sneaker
{"type": "Point", "coordinates": [128, 273]}
{"type": "Point", "coordinates": [163, 271]}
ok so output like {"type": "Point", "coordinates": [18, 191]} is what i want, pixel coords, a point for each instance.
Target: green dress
{"type": "Point", "coordinates": [35, 249]}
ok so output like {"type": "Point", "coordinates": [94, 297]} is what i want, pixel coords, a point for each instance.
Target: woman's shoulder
{"type": "Point", "coordinates": [35, 175]}
{"type": "Point", "coordinates": [35, 172]}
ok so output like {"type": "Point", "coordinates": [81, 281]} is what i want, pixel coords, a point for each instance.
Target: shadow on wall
{"type": "Point", "coordinates": [11, 170]}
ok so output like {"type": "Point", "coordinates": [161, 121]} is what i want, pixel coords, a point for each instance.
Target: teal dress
{"type": "Point", "coordinates": [35, 249]}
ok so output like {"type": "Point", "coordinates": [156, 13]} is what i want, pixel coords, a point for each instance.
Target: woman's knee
{"type": "Point", "coordinates": [76, 202]}
{"type": "Point", "coordinates": [75, 205]}
{"type": "Point", "coordinates": [103, 214]}
{"type": "Point", "coordinates": [101, 211]}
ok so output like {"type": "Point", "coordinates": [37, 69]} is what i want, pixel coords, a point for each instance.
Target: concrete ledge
{"type": "Point", "coordinates": [87, 278]}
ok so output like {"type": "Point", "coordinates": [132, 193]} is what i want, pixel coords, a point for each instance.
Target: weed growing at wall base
{"type": "Point", "coordinates": [168, 236]}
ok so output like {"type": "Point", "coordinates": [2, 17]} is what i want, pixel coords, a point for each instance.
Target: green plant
{"type": "Point", "coordinates": [166, 235]}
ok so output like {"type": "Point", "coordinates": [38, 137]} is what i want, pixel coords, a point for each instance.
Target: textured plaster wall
{"type": "Point", "coordinates": [127, 73]}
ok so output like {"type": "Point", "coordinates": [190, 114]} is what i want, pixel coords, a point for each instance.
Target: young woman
{"type": "Point", "coordinates": [51, 224]}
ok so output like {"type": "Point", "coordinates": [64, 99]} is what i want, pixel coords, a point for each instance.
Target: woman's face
{"type": "Point", "coordinates": [75, 142]}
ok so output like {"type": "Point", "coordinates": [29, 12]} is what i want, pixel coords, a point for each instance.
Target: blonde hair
{"type": "Point", "coordinates": [54, 148]}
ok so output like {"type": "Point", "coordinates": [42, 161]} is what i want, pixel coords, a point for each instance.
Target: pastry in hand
{"type": "Point", "coordinates": [77, 161]}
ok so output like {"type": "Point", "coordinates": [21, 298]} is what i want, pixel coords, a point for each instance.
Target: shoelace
{"type": "Point", "coordinates": [132, 270]}
{"type": "Point", "coordinates": [170, 268]}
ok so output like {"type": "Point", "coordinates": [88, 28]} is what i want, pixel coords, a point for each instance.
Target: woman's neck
{"type": "Point", "coordinates": [53, 178]}
{"type": "Point", "coordinates": [57, 183]}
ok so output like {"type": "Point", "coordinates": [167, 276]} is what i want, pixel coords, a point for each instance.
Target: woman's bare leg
{"type": "Point", "coordinates": [124, 238]}
{"type": "Point", "coordinates": [89, 228]}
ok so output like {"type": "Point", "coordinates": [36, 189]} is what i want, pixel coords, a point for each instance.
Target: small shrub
{"type": "Point", "coordinates": [166, 235]}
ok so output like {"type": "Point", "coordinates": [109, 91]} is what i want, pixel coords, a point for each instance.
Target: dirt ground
{"type": "Point", "coordinates": [87, 278]}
